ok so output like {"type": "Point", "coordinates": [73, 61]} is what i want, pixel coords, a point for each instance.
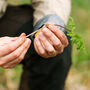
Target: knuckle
{"type": "Point", "coordinates": [66, 44]}
{"type": "Point", "coordinates": [16, 62]}
{"type": "Point", "coordinates": [10, 48]}
{"type": "Point", "coordinates": [43, 53]}
{"type": "Point", "coordinates": [21, 58]}
{"type": "Point", "coordinates": [58, 44]}
{"type": "Point", "coordinates": [49, 34]}
{"type": "Point", "coordinates": [50, 51]}
{"type": "Point", "coordinates": [43, 40]}
{"type": "Point", "coordinates": [61, 36]}
{"type": "Point", "coordinates": [61, 51]}
{"type": "Point", "coordinates": [16, 55]}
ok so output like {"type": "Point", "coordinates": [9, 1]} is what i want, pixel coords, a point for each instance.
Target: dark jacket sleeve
{"type": "Point", "coordinates": [49, 18]}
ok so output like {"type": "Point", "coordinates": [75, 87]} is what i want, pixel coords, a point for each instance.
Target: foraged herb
{"type": "Point", "coordinates": [75, 38]}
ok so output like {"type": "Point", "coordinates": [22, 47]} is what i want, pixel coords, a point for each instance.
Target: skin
{"type": "Point", "coordinates": [13, 50]}
{"type": "Point", "coordinates": [50, 42]}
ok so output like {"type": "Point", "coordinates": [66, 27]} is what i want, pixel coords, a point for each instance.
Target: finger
{"type": "Point", "coordinates": [10, 47]}
{"type": "Point", "coordinates": [58, 33]}
{"type": "Point", "coordinates": [52, 38]}
{"type": "Point", "coordinates": [15, 54]}
{"type": "Point", "coordinates": [15, 62]}
{"type": "Point", "coordinates": [39, 48]}
{"type": "Point", "coordinates": [60, 51]}
{"type": "Point", "coordinates": [44, 41]}
{"type": "Point", "coordinates": [53, 54]}
{"type": "Point", "coordinates": [6, 40]}
{"type": "Point", "coordinates": [13, 39]}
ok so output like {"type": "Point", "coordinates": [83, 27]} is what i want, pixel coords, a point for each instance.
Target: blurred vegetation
{"type": "Point", "coordinates": [79, 76]}
{"type": "Point", "coordinates": [80, 13]}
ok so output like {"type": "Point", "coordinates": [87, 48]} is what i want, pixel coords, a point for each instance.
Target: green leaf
{"type": "Point", "coordinates": [75, 38]}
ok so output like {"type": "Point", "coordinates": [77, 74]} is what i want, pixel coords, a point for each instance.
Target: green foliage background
{"type": "Point", "coordinates": [9, 79]}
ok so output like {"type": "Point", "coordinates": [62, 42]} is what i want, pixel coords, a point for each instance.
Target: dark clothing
{"type": "Point", "coordinates": [38, 73]}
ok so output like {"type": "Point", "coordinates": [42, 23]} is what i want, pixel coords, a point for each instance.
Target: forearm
{"type": "Point", "coordinates": [43, 8]}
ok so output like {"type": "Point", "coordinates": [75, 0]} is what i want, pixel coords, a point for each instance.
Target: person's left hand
{"type": "Point", "coordinates": [50, 41]}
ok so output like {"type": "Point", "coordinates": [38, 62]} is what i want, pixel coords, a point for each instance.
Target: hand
{"type": "Point", "coordinates": [50, 41]}
{"type": "Point", "coordinates": [13, 50]}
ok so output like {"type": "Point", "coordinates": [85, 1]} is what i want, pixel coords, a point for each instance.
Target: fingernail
{"type": "Point", "coordinates": [23, 34]}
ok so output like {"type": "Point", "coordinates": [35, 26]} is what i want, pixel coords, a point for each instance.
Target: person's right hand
{"type": "Point", "coordinates": [13, 50]}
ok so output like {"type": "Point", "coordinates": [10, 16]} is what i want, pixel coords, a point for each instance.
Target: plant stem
{"type": "Point", "coordinates": [63, 27]}
{"type": "Point", "coordinates": [39, 29]}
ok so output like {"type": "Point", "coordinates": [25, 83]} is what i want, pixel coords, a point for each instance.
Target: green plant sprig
{"type": "Point", "coordinates": [75, 38]}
